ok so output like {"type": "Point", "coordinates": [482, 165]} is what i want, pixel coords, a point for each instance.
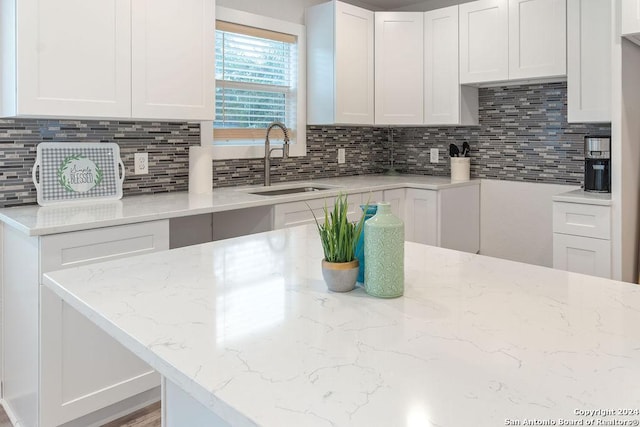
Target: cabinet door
{"type": "Point", "coordinates": [353, 65]}
{"type": "Point", "coordinates": [441, 85]}
{"type": "Point", "coordinates": [399, 68]}
{"type": "Point", "coordinates": [537, 38]}
{"type": "Point", "coordinates": [631, 17]}
{"type": "Point", "coordinates": [421, 216]}
{"type": "Point", "coordinates": [445, 101]}
{"type": "Point", "coordinates": [484, 33]}
{"type": "Point", "coordinates": [589, 61]}
{"type": "Point", "coordinates": [173, 52]}
{"type": "Point", "coordinates": [397, 199]}
{"type": "Point", "coordinates": [582, 255]}
{"type": "Point", "coordinates": [74, 58]}
{"type": "Point", "coordinates": [372, 197]}
{"type": "Point", "coordinates": [82, 369]}
{"type": "Point", "coordinates": [459, 218]}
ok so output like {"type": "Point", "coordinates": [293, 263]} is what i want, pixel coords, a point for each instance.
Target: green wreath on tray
{"type": "Point", "coordinates": [62, 178]}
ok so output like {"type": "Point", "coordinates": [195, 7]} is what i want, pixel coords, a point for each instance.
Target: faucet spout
{"type": "Point", "coordinates": [268, 149]}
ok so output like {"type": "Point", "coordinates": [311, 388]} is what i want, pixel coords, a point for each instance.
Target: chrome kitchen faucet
{"type": "Point", "coordinates": [268, 150]}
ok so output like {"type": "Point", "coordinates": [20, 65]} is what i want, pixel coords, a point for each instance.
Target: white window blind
{"type": "Point", "coordinates": [256, 78]}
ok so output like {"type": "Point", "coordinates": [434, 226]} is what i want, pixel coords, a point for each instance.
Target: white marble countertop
{"type": "Point", "coordinates": [584, 197]}
{"type": "Point", "coordinates": [247, 327]}
{"type": "Point", "coordinates": [35, 220]}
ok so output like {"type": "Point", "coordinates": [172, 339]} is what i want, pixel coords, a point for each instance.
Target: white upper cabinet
{"type": "Point", "coordinates": [504, 40]}
{"type": "Point", "coordinates": [339, 64]}
{"type": "Point", "coordinates": [631, 20]}
{"type": "Point", "coordinates": [399, 68]}
{"type": "Point", "coordinates": [139, 59]}
{"type": "Point", "coordinates": [484, 33]}
{"type": "Point", "coordinates": [172, 46]}
{"type": "Point", "coordinates": [71, 58]}
{"type": "Point", "coordinates": [589, 61]}
{"type": "Point", "coordinates": [445, 101]}
{"type": "Point", "coordinates": [537, 38]}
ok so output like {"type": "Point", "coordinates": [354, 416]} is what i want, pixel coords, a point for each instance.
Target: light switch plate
{"type": "Point", "coordinates": [434, 156]}
{"type": "Point", "coordinates": [341, 155]}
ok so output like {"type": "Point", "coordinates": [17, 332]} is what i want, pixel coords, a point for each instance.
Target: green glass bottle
{"type": "Point", "coordinates": [384, 252]}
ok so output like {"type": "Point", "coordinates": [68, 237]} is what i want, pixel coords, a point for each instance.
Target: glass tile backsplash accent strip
{"type": "Point", "coordinates": [523, 136]}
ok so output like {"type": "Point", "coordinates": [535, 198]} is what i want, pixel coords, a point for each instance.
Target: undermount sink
{"type": "Point", "coordinates": [291, 190]}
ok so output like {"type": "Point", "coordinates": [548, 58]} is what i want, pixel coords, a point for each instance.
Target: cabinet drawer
{"type": "Point", "coordinates": [84, 247]}
{"type": "Point", "coordinates": [582, 220]}
{"type": "Point", "coordinates": [582, 255]}
{"type": "Point", "coordinates": [299, 213]}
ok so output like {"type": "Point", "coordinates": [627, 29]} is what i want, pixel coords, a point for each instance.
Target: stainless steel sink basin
{"type": "Point", "coordinates": [293, 190]}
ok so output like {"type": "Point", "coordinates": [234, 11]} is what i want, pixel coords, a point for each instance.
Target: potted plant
{"type": "Point", "coordinates": [339, 237]}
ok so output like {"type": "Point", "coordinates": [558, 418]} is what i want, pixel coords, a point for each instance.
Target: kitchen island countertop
{"type": "Point", "coordinates": [36, 220]}
{"type": "Point", "coordinates": [247, 328]}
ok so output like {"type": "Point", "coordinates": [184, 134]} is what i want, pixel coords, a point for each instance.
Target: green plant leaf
{"type": "Point", "coordinates": [337, 234]}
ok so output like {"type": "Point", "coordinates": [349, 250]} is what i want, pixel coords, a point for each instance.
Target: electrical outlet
{"type": "Point", "coordinates": [141, 161]}
{"type": "Point", "coordinates": [341, 154]}
{"type": "Point", "coordinates": [434, 155]}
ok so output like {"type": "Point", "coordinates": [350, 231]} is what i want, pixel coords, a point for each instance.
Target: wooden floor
{"type": "Point", "coordinates": [145, 417]}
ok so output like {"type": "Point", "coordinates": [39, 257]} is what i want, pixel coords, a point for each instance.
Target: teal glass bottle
{"type": "Point", "coordinates": [384, 253]}
{"type": "Point", "coordinates": [371, 211]}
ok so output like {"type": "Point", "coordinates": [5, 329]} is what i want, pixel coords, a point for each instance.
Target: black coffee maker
{"type": "Point", "coordinates": [597, 164]}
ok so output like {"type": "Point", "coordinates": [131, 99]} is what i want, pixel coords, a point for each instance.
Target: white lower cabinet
{"type": "Point", "coordinates": [396, 199]}
{"type": "Point", "coordinates": [581, 238]}
{"type": "Point", "coordinates": [448, 218]}
{"type": "Point", "coordinates": [80, 369]}
{"type": "Point", "coordinates": [299, 213]}
{"type": "Point", "coordinates": [582, 255]}
{"type": "Point", "coordinates": [421, 216]}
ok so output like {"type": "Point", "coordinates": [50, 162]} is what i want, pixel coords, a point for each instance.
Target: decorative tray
{"type": "Point", "coordinates": [77, 172]}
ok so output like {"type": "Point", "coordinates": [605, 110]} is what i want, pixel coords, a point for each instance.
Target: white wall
{"type": "Point", "coordinates": [625, 153]}
{"type": "Point", "coordinates": [516, 220]}
{"type": "Point", "coordinates": [1, 305]}
{"type": "Point", "coordinates": [286, 10]}
{"type": "Point", "coordinates": [630, 196]}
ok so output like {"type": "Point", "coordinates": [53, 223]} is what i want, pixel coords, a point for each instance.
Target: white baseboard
{"type": "Point", "coordinates": [117, 410]}
{"type": "Point", "coordinates": [12, 417]}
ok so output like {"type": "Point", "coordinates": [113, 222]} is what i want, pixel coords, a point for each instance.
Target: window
{"type": "Point", "coordinates": [257, 82]}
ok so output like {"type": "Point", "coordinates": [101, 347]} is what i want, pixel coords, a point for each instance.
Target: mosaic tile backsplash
{"type": "Point", "coordinates": [167, 145]}
{"type": "Point", "coordinates": [364, 154]}
{"type": "Point", "coordinates": [523, 136]}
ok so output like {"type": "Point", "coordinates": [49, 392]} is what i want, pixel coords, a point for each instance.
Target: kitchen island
{"type": "Point", "coordinates": [244, 332]}
{"type": "Point", "coordinates": [59, 368]}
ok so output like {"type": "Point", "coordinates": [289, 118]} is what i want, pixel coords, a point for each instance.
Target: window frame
{"type": "Point", "coordinates": [298, 146]}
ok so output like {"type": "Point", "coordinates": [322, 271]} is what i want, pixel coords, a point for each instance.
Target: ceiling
{"type": "Point", "coordinates": [390, 4]}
